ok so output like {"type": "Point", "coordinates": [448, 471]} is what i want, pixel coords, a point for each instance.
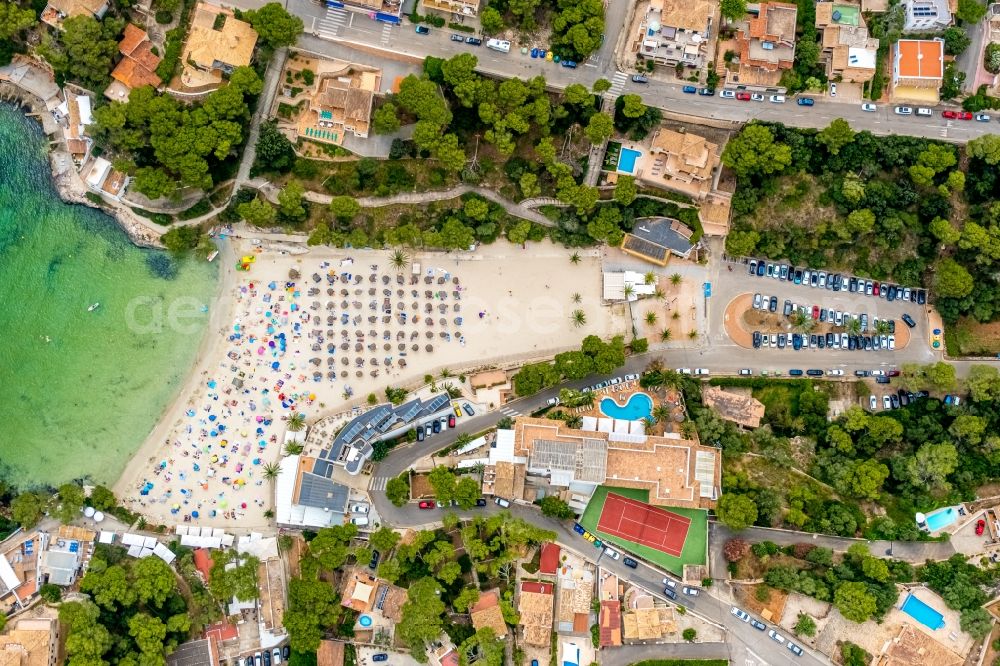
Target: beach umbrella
{"type": "Point", "coordinates": [224, 504]}
{"type": "Point", "coordinates": [243, 505]}
{"type": "Point", "coordinates": [195, 514]}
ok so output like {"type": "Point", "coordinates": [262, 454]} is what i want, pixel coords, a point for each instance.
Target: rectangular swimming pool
{"type": "Point", "coordinates": [922, 613]}
{"type": "Point", "coordinates": [941, 519]}
{"type": "Point", "coordinates": [627, 159]}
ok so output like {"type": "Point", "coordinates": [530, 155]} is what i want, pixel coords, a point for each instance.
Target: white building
{"type": "Point", "coordinates": [926, 15]}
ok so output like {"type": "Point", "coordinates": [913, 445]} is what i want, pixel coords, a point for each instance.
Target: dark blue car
{"type": "Point", "coordinates": [805, 101]}
{"type": "Point", "coordinates": [569, 63]}
{"type": "Point", "coordinates": [689, 90]}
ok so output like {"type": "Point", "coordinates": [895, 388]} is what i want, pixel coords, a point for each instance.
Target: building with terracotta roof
{"type": "Point", "coordinates": [917, 70]}
{"type": "Point", "coordinates": [217, 44]}
{"type": "Point", "coordinates": [536, 611]}
{"type": "Point", "coordinates": [849, 50]}
{"type": "Point", "coordinates": [656, 239]}
{"type": "Point", "coordinates": [740, 408]}
{"type": "Point", "coordinates": [57, 11]}
{"type": "Point", "coordinates": [460, 7]}
{"type": "Point", "coordinates": [675, 472]}
{"type": "Point", "coordinates": [339, 103]}
{"type": "Point", "coordinates": [137, 67]}
{"type": "Point", "coordinates": [73, 115]}
{"type": "Point", "coordinates": [30, 642]}
{"type": "Point", "coordinates": [765, 46]}
{"type": "Point", "coordinates": [677, 32]}
{"type": "Point", "coordinates": [19, 570]}
{"type": "Point", "coordinates": [358, 591]}
{"type": "Point", "coordinates": [912, 646]}
{"type": "Point", "coordinates": [610, 622]}
{"type": "Point", "coordinates": [680, 161]}
{"type": "Point", "coordinates": [486, 612]}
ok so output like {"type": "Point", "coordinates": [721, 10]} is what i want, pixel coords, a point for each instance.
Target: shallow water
{"type": "Point", "coordinates": [79, 390]}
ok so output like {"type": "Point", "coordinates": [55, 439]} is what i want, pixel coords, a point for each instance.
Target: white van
{"type": "Point", "coordinates": [502, 502]}
{"type": "Point", "coordinates": [360, 521]}
{"type": "Point", "coordinates": [778, 99]}
{"type": "Point", "coordinates": [776, 637]}
{"type": "Point", "coordinates": [501, 45]}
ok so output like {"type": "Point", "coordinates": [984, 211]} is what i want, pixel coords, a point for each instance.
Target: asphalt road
{"type": "Point", "coordinates": [357, 31]}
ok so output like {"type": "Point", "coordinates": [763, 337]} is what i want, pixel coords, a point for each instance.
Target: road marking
{"type": "Point", "coordinates": [507, 411]}
{"type": "Point", "coordinates": [617, 85]}
{"type": "Point", "coordinates": [330, 25]}
{"type": "Point", "coordinates": [386, 34]}
{"type": "Point", "coordinates": [757, 659]}
{"type": "Point", "coordinates": [379, 482]}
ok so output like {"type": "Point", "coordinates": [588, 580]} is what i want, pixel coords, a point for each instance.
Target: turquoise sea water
{"type": "Point", "coordinates": [79, 390]}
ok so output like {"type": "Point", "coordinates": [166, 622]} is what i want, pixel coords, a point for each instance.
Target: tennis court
{"type": "Point", "coordinates": [641, 523]}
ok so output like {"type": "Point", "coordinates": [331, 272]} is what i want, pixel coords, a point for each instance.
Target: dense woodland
{"type": "Point", "coordinates": [910, 210]}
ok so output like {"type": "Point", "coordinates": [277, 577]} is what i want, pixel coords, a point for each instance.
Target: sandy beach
{"type": "Point", "coordinates": [345, 324]}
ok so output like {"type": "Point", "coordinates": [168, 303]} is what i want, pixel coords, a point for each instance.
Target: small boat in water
{"type": "Point", "coordinates": [93, 307]}
{"type": "Point", "coordinates": [213, 255]}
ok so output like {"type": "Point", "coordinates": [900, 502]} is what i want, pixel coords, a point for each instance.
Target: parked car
{"type": "Point", "coordinates": [702, 371]}
{"type": "Point", "coordinates": [773, 304]}
{"type": "Point", "coordinates": [795, 649]}
{"type": "Point", "coordinates": [805, 101]}
{"type": "Point", "coordinates": [757, 97]}
{"type": "Point", "coordinates": [612, 553]}
{"type": "Point", "coordinates": [468, 409]}
{"type": "Point", "coordinates": [757, 624]}
{"type": "Point", "coordinates": [741, 614]}
{"type": "Point", "coordinates": [691, 591]}
{"type": "Point", "coordinates": [475, 41]}
{"type": "Point", "coordinates": [459, 38]}
{"type": "Point", "coordinates": [868, 106]}
{"type": "Point", "coordinates": [980, 527]}
{"type": "Point", "coordinates": [743, 97]}
{"type": "Point", "coordinates": [727, 94]}
{"type": "Point", "coordinates": [757, 301]}
{"type": "Point", "coordinates": [903, 111]}
{"type": "Point", "coordinates": [629, 562]}
{"type": "Point", "coordinates": [669, 593]}
{"type": "Point", "coordinates": [502, 502]}
{"type": "Point", "coordinates": [794, 372]}
{"type": "Point", "coordinates": [983, 117]}
{"type": "Point", "coordinates": [814, 372]}
{"type": "Point", "coordinates": [924, 111]}
{"type": "Point", "coordinates": [276, 656]}
{"type": "Point", "coordinates": [420, 434]}
{"type": "Point", "coordinates": [908, 320]}
{"type": "Point", "coordinates": [776, 637]}
{"type": "Point", "coordinates": [422, 30]}
{"type": "Point", "coordinates": [872, 402]}
{"type": "Point", "coordinates": [426, 504]}
{"type": "Point", "coordinates": [381, 656]}
{"type": "Point", "coordinates": [778, 99]}
{"type": "Point", "coordinates": [886, 402]}
{"type": "Point", "coordinates": [833, 90]}
{"type": "Point", "coordinates": [690, 90]}
{"type": "Point", "coordinates": [706, 92]}
{"type": "Point", "coordinates": [359, 508]}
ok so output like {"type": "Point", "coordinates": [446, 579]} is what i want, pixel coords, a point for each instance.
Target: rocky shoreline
{"type": "Point", "coordinates": [67, 181]}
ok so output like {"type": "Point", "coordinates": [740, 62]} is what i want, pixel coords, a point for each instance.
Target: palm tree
{"type": "Point", "coordinates": [666, 334]}
{"type": "Point", "coordinates": [452, 391]}
{"type": "Point", "coordinates": [577, 298]}
{"type": "Point", "coordinates": [854, 326]}
{"type": "Point", "coordinates": [659, 294]}
{"type": "Point", "coordinates": [446, 373]}
{"type": "Point", "coordinates": [293, 448]}
{"type": "Point", "coordinates": [649, 278]}
{"type": "Point", "coordinates": [676, 279]}
{"type": "Point", "coordinates": [272, 470]}
{"type": "Point", "coordinates": [802, 321]}
{"type": "Point", "coordinates": [269, 514]}
{"type": "Point", "coordinates": [882, 327]}
{"type": "Point", "coordinates": [661, 413]}
{"type": "Point", "coordinates": [296, 422]}
{"type": "Point", "coordinates": [693, 335]}
{"type": "Point", "coordinates": [648, 422]}
{"type": "Point", "coordinates": [574, 258]}
{"type": "Point", "coordinates": [676, 315]}
{"type": "Point", "coordinates": [672, 379]}
{"type": "Point", "coordinates": [656, 365]}
{"type": "Point", "coordinates": [651, 317]}
{"type": "Point", "coordinates": [579, 318]}
{"type": "Point", "coordinates": [399, 260]}
{"type": "Point", "coordinates": [628, 291]}
{"type": "Point", "coordinates": [574, 421]}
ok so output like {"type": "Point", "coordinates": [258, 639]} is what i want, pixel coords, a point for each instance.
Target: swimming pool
{"type": "Point", "coordinates": [627, 159]}
{"type": "Point", "coordinates": [638, 407]}
{"type": "Point", "coordinates": [922, 613]}
{"type": "Point", "coordinates": [941, 519]}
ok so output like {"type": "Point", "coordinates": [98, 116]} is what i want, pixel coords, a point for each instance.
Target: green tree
{"type": "Point", "coordinates": [625, 190]}
{"type": "Point", "coordinates": [149, 634]}
{"type": "Point", "coordinates": [860, 221]}
{"type": "Point", "coordinates": [256, 212]}
{"type": "Point", "coordinates": [273, 151]}
{"type": "Point", "coordinates": [466, 492]}
{"type": "Point", "coordinates": [836, 135]}
{"type": "Point", "coordinates": [689, 634]}
{"type": "Point", "coordinates": [755, 152]}
{"type": "Point", "coordinates": [734, 10]}
{"type": "Point", "coordinates": [600, 128]}
{"type": "Point", "coordinates": [330, 547]}
{"type": "Point", "coordinates": [233, 575]}
{"type": "Point", "coordinates": [344, 208]}
{"type": "Point", "coordinates": [290, 201]}
{"type": "Point", "coordinates": [930, 466]}
{"type": "Point", "coordinates": [275, 26]}
{"type": "Point", "coordinates": [466, 598]}
{"type": "Point", "coordinates": [601, 86]}
{"type": "Point", "coordinates": [153, 580]}
{"type": "Point", "coordinates": [476, 209]}
{"type": "Point", "coordinates": [50, 592]}
{"type": "Point", "coordinates": [529, 185]}
{"type": "Point", "coordinates": [875, 569]}
{"type": "Point", "coordinates": [742, 242]}
{"type": "Point", "coordinates": [518, 234]}
{"type": "Point", "coordinates": [385, 120]}
{"type": "Point", "coordinates": [26, 509]}
{"type": "Point", "coordinates": [970, 11]}
{"type": "Point", "coordinates": [397, 490]}
{"type": "Point", "coordinates": [986, 148]}
{"type": "Point", "coordinates": [555, 508]}
{"type": "Point", "coordinates": [442, 480]}
{"type": "Point", "coordinates": [983, 382]}
{"type": "Point", "coordinates": [976, 622]}
{"type": "Point", "coordinates": [805, 626]}
{"type": "Point", "coordinates": [736, 511]}
{"type": "Point", "coordinates": [863, 479]}
{"type": "Point", "coordinates": [943, 230]}
{"type": "Point", "coordinates": [85, 50]}
{"type": "Point", "coordinates": [14, 19]}
{"type": "Point", "coordinates": [955, 41]}
{"type": "Point", "coordinates": [313, 607]}
{"type": "Point", "coordinates": [940, 375]}
{"type": "Point", "coordinates": [421, 617]}
{"type": "Point", "coordinates": [968, 428]}
{"type": "Point", "coordinates": [633, 106]}
{"type": "Point", "coordinates": [110, 589]}
{"type": "Point", "coordinates": [491, 21]}
{"type": "Point", "coordinates": [86, 638]}
{"type": "Point", "coordinates": [384, 539]}
{"type": "Point", "coordinates": [854, 601]}
{"type": "Point", "coordinates": [951, 279]}
{"type": "Point", "coordinates": [71, 501]}
{"type": "Point", "coordinates": [483, 648]}
{"type": "Point", "coordinates": [605, 226]}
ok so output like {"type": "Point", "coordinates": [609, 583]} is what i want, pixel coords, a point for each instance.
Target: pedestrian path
{"type": "Point", "coordinates": [617, 85]}
{"type": "Point", "coordinates": [386, 34]}
{"type": "Point", "coordinates": [512, 413]}
{"type": "Point", "coordinates": [331, 24]}
{"type": "Point", "coordinates": [379, 482]}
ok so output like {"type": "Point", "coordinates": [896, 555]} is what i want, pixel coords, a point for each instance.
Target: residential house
{"type": "Point", "coordinates": [486, 613]}
{"type": "Point", "coordinates": [677, 32]}
{"type": "Point", "coordinates": [655, 239]}
{"type": "Point", "coordinates": [765, 47]}
{"type": "Point", "coordinates": [358, 590]}
{"type": "Point", "coordinates": [30, 642]}
{"type": "Point", "coordinates": [306, 497]}
{"type": "Point", "coordinates": [340, 102]}
{"type": "Point", "coordinates": [62, 558]}
{"type": "Point", "coordinates": [926, 15]}
{"type": "Point", "coordinates": [105, 179]}
{"type": "Point", "coordinates": [57, 11]}
{"type": "Point", "coordinates": [573, 462]}
{"type": "Point", "coordinates": [849, 51]}
{"type": "Point", "coordinates": [912, 646]}
{"type": "Point", "coordinates": [679, 161]}
{"type": "Point", "coordinates": [199, 652]}
{"type": "Point", "coordinates": [217, 44]}
{"type": "Point", "coordinates": [610, 623]}
{"type": "Point", "coordinates": [460, 7]}
{"type": "Point", "coordinates": [19, 579]}
{"type": "Point", "coordinates": [917, 70]}
{"type": "Point", "coordinates": [535, 608]}
{"type": "Point", "coordinates": [73, 115]}
{"type": "Point", "coordinates": [137, 67]}
{"type": "Point", "coordinates": [740, 408]}
{"type": "Point", "coordinates": [353, 445]}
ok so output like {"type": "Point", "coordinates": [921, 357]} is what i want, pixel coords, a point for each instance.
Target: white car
{"type": "Point", "coordinates": [924, 111]}
{"type": "Point", "coordinates": [765, 340]}
{"type": "Point", "coordinates": [892, 342]}
{"type": "Point", "coordinates": [983, 117]}
{"type": "Point", "coordinates": [553, 402]}
{"type": "Point", "coordinates": [691, 591]}
{"type": "Point", "coordinates": [630, 378]}
{"type": "Point", "coordinates": [822, 280]}
{"type": "Point", "coordinates": [778, 99]}
{"type": "Point", "coordinates": [757, 97]}
{"type": "Point", "coordinates": [756, 301]}
{"type": "Point", "coordinates": [684, 371]}
{"type": "Point", "coordinates": [878, 373]}
{"type": "Point", "coordinates": [833, 90]}
{"type": "Point", "coordinates": [868, 106]}
{"type": "Point", "coordinates": [360, 522]}
{"type": "Point", "coordinates": [886, 402]}
{"type": "Point", "coordinates": [776, 637]}
{"type": "Point", "coordinates": [741, 614]}
{"type": "Point", "coordinates": [701, 371]}
{"type": "Point", "coordinates": [836, 373]}
{"type": "Point", "coordinates": [838, 318]}
{"type": "Point", "coordinates": [670, 582]}
{"type": "Point", "coordinates": [872, 402]}
{"type": "Point", "coordinates": [612, 553]}
{"type": "Point", "coordinates": [727, 94]}
{"type": "Point", "coordinates": [903, 111]}
{"type": "Point", "coordinates": [359, 508]}
{"type": "Point", "coordinates": [844, 341]}
{"type": "Point", "coordinates": [774, 339]}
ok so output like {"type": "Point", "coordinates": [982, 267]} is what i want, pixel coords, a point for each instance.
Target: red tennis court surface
{"type": "Point", "coordinates": [643, 524]}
